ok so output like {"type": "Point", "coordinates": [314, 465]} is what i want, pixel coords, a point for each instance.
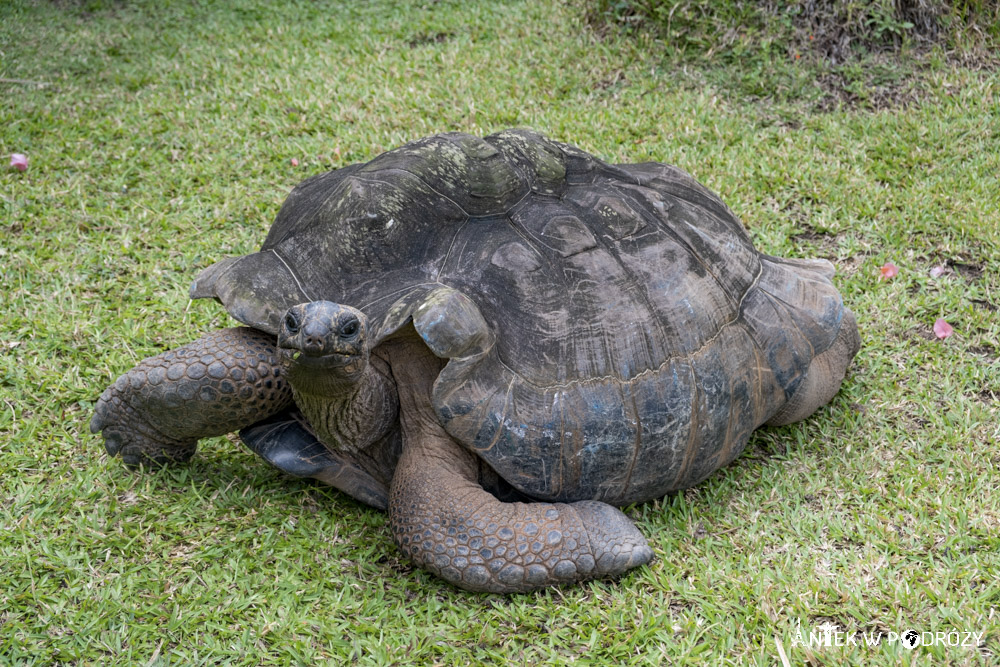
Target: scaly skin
{"type": "Point", "coordinates": [447, 523]}
{"type": "Point", "coordinates": [440, 515]}
{"type": "Point", "coordinates": [225, 380]}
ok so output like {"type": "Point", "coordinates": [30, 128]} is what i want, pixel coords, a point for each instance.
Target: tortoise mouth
{"type": "Point", "coordinates": [330, 360]}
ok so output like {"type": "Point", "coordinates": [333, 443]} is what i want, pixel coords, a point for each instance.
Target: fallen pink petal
{"type": "Point", "coordinates": [937, 271]}
{"type": "Point", "coordinates": [888, 270]}
{"type": "Point", "coordinates": [19, 161]}
{"type": "Point", "coordinates": [942, 329]}
{"type": "Point", "coordinates": [295, 162]}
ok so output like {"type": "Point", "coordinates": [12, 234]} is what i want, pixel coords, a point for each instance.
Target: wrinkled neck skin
{"type": "Point", "coordinates": [357, 414]}
{"type": "Point", "coordinates": [349, 408]}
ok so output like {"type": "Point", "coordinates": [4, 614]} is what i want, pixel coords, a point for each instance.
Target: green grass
{"type": "Point", "coordinates": [161, 141]}
{"type": "Point", "coordinates": [828, 54]}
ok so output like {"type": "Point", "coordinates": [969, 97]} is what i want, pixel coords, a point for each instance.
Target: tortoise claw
{"type": "Point", "coordinates": [127, 436]}
{"type": "Point", "coordinates": [615, 542]}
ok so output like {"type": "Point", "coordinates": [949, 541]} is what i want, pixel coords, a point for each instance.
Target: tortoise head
{"type": "Point", "coordinates": [325, 338]}
{"type": "Point", "coordinates": [348, 403]}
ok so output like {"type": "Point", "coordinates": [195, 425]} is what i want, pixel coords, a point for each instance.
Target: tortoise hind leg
{"type": "Point", "coordinates": [157, 412]}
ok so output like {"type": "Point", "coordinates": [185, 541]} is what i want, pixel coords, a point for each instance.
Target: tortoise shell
{"type": "Point", "coordinates": [631, 337]}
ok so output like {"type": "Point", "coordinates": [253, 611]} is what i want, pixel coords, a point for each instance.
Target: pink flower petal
{"type": "Point", "coordinates": [942, 329]}
{"type": "Point", "coordinates": [937, 271]}
{"type": "Point", "coordinates": [295, 162]}
{"type": "Point", "coordinates": [888, 271]}
{"type": "Point", "coordinates": [19, 161]}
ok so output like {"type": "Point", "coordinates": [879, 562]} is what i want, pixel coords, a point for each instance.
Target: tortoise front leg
{"type": "Point", "coordinates": [447, 523]}
{"type": "Point", "coordinates": [225, 380]}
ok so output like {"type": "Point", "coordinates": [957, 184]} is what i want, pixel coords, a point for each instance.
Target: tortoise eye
{"type": "Point", "coordinates": [349, 329]}
{"type": "Point", "coordinates": [291, 324]}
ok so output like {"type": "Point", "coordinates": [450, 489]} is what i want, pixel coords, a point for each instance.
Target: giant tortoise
{"type": "Point", "coordinates": [498, 341]}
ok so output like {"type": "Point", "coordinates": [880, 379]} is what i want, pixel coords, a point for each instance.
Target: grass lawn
{"type": "Point", "coordinates": [160, 138]}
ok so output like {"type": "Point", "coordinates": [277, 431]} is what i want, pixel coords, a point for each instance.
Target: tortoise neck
{"type": "Point", "coordinates": [346, 412]}
{"type": "Point", "coordinates": [325, 384]}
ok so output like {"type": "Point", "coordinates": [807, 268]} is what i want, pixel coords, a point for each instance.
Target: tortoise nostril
{"type": "Point", "coordinates": [313, 343]}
